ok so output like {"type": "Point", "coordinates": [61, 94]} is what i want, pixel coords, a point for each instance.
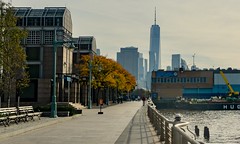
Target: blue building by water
{"type": "Point", "coordinates": [201, 84]}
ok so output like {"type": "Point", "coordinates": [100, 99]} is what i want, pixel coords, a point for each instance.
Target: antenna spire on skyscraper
{"type": "Point", "coordinates": [155, 17]}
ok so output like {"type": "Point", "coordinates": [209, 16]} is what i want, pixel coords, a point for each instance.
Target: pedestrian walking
{"type": "Point", "coordinates": [143, 99]}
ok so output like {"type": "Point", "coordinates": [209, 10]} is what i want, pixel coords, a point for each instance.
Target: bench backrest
{"type": "Point", "coordinates": [8, 111]}
{"type": "Point", "coordinates": [28, 109]}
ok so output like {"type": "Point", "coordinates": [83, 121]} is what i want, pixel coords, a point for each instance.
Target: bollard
{"type": "Point", "coordinates": [177, 119]}
{"type": "Point", "coordinates": [100, 106]}
{"type": "Point", "coordinates": [196, 130]}
{"type": "Point", "coordinates": [206, 133]}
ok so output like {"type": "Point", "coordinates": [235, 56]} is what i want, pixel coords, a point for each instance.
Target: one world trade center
{"type": "Point", "coordinates": [154, 53]}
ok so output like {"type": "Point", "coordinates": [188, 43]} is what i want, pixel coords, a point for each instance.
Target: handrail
{"type": "Point", "coordinates": [168, 132]}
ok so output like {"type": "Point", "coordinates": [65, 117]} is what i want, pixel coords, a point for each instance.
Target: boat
{"type": "Point", "coordinates": [198, 104]}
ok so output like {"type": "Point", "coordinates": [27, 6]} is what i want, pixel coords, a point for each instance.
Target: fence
{"type": "Point", "coordinates": [169, 132]}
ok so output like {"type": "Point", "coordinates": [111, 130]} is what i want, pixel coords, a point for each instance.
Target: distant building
{"type": "Point", "coordinates": [145, 68]}
{"type": "Point", "coordinates": [142, 72]}
{"type": "Point", "coordinates": [129, 57]}
{"type": "Point", "coordinates": [178, 62]}
{"type": "Point", "coordinates": [169, 68]}
{"type": "Point", "coordinates": [184, 65]}
{"type": "Point", "coordinates": [85, 45]}
{"type": "Point", "coordinates": [154, 53]}
{"type": "Point", "coordinates": [98, 52]}
{"type": "Point", "coordinates": [201, 84]}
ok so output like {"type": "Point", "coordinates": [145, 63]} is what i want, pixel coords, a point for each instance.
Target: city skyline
{"type": "Point", "coordinates": [206, 28]}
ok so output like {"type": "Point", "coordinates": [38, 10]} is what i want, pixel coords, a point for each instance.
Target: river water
{"type": "Point", "coordinates": [224, 126]}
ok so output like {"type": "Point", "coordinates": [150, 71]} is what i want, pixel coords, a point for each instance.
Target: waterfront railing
{"type": "Point", "coordinates": [168, 131]}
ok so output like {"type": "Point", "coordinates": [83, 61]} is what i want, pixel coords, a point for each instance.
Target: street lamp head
{"type": "Point", "coordinates": [72, 46]}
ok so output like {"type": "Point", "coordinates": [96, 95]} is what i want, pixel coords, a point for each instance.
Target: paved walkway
{"type": "Point", "coordinates": [125, 123]}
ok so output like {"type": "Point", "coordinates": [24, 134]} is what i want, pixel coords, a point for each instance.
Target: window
{"type": "Point", "coordinates": [203, 80]}
{"type": "Point", "coordinates": [184, 80]}
{"type": "Point", "coordinates": [154, 80]}
{"type": "Point", "coordinates": [20, 22]}
{"type": "Point", "coordinates": [49, 21]}
{"type": "Point", "coordinates": [174, 80]}
{"type": "Point", "coordinates": [164, 80]}
{"type": "Point", "coordinates": [48, 37]}
{"type": "Point", "coordinates": [30, 93]}
{"type": "Point", "coordinates": [51, 12]}
{"type": "Point", "coordinates": [33, 37]}
{"type": "Point", "coordinates": [34, 71]}
{"type": "Point", "coordinates": [58, 21]}
{"type": "Point", "coordinates": [84, 46]}
{"type": "Point", "coordinates": [194, 80]}
{"type": "Point", "coordinates": [33, 21]}
{"type": "Point", "coordinates": [33, 53]}
{"type": "Point", "coordinates": [178, 80]}
{"type": "Point", "coordinates": [198, 80]}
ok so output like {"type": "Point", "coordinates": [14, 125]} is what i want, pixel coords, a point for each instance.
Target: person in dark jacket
{"type": "Point", "coordinates": [143, 99]}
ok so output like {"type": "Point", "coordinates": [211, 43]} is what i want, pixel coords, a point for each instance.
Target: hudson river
{"type": "Point", "coordinates": [224, 126]}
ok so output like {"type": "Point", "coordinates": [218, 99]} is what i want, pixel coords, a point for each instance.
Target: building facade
{"type": "Point", "coordinates": [128, 57]}
{"type": "Point", "coordinates": [142, 64]}
{"type": "Point", "coordinates": [85, 45]}
{"type": "Point", "coordinates": [44, 26]}
{"type": "Point", "coordinates": [201, 84]}
{"type": "Point", "coordinates": [178, 62]}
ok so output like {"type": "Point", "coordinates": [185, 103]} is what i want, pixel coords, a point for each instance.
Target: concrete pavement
{"type": "Point", "coordinates": [122, 123]}
{"type": "Point", "coordinates": [139, 130]}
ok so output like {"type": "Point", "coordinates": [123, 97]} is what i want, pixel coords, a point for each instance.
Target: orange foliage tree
{"type": "Point", "coordinates": [106, 73]}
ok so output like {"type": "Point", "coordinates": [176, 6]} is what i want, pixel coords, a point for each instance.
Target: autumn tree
{"type": "Point", "coordinates": [12, 55]}
{"type": "Point", "coordinates": [107, 73]}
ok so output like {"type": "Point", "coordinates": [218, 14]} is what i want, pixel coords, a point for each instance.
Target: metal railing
{"type": "Point", "coordinates": [168, 131]}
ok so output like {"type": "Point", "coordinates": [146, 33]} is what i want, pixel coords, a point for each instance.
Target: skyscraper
{"type": "Point", "coordinates": [134, 63]}
{"type": "Point", "coordinates": [128, 57]}
{"type": "Point", "coordinates": [154, 53]}
{"type": "Point", "coordinates": [178, 62]}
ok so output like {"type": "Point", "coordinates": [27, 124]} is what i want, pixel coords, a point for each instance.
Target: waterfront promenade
{"type": "Point", "coordinates": [125, 123]}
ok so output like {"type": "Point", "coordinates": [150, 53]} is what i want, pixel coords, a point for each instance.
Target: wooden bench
{"type": "Point", "coordinates": [11, 114]}
{"type": "Point", "coordinates": [3, 116]}
{"type": "Point", "coordinates": [30, 112]}
{"type": "Point", "coordinates": [7, 115]}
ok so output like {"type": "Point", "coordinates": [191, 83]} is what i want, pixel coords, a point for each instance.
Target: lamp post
{"type": "Point", "coordinates": [54, 102]}
{"type": "Point", "coordinates": [90, 85]}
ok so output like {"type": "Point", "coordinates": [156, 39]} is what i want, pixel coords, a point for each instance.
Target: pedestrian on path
{"type": "Point", "coordinates": [143, 99]}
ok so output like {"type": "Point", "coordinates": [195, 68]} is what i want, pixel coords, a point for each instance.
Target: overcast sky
{"type": "Point", "coordinates": [208, 28]}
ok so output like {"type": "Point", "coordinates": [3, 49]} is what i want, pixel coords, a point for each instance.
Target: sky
{"type": "Point", "coordinates": [210, 29]}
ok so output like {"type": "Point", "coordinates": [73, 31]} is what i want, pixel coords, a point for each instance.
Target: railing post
{"type": "Point", "coordinates": [167, 133]}
{"type": "Point", "coordinates": [158, 124]}
{"type": "Point", "coordinates": [162, 138]}
{"type": "Point", "coordinates": [175, 137]}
